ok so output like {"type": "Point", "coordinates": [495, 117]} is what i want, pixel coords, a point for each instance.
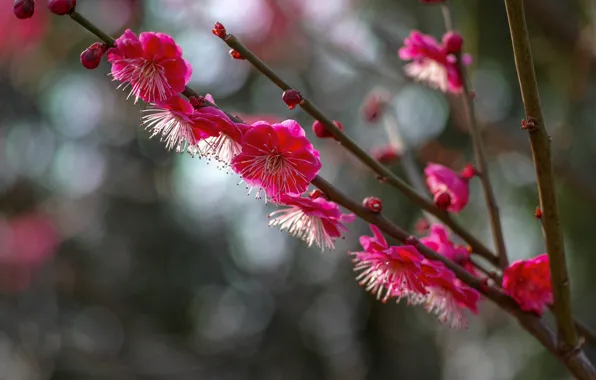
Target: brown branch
{"type": "Point", "coordinates": [540, 145]}
{"type": "Point", "coordinates": [362, 155]}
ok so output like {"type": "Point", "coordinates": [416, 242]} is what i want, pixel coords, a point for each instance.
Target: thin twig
{"type": "Point", "coordinates": [479, 154]}
{"type": "Point", "coordinates": [541, 153]}
{"type": "Point", "coordinates": [366, 158]}
{"type": "Point", "coordinates": [575, 361]}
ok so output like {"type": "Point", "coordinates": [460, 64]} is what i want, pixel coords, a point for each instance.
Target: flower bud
{"type": "Point", "coordinates": [292, 98]}
{"type": "Point", "coordinates": [374, 105]}
{"type": "Point", "coordinates": [91, 57]}
{"type": "Point", "coordinates": [538, 213]}
{"type": "Point", "coordinates": [373, 204]}
{"type": "Point", "coordinates": [236, 55]}
{"type": "Point", "coordinates": [411, 240]}
{"type": "Point", "coordinates": [386, 154]}
{"type": "Point", "coordinates": [321, 132]}
{"type": "Point", "coordinates": [452, 42]}
{"type": "Point", "coordinates": [23, 8]}
{"type": "Point", "coordinates": [219, 30]}
{"type": "Point", "coordinates": [468, 172]}
{"type": "Point", "coordinates": [61, 7]}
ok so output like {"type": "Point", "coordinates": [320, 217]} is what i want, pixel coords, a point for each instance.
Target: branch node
{"type": "Point", "coordinates": [530, 124]}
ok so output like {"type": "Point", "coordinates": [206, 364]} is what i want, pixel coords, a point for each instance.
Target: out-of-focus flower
{"type": "Point", "coordinates": [181, 126]}
{"type": "Point", "coordinates": [277, 159]}
{"type": "Point", "coordinates": [452, 42]}
{"type": "Point", "coordinates": [26, 242]}
{"type": "Point", "coordinates": [392, 272]}
{"type": "Point", "coordinates": [312, 220]}
{"type": "Point", "coordinates": [27, 29]}
{"type": "Point", "coordinates": [432, 62]}
{"type": "Point", "coordinates": [450, 191]}
{"type": "Point", "coordinates": [386, 154]}
{"type": "Point", "coordinates": [374, 105]}
{"type": "Point", "coordinates": [61, 7]}
{"type": "Point", "coordinates": [438, 240]}
{"type": "Point", "coordinates": [448, 297]}
{"type": "Point", "coordinates": [151, 64]}
{"type": "Point", "coordinates": [528, 282]}
{"type": "Point", "coordinates": [91, 57]}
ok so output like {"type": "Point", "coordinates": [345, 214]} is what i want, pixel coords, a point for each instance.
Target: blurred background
{"type": "Point", "coordinates": [120, 260]}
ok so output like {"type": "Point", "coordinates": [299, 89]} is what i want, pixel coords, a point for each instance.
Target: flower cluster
{"type": "Point", "coordinates": [402, 272]}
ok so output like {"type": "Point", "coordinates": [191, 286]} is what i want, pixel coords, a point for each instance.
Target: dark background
{"type": "Point", "coordinates": [158, 266]}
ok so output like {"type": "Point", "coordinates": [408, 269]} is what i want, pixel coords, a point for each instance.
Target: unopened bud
{"type": "Point", "coordinates": [23, 8]}
{"type": "Point", "coordinates": [373, 204]}
{"type": "Point", "coordinates": [91, 57]}
{"type": "Point", "coordinates": [62, 7]}
{"type": "Point", "coordinates": [292, 98]}
{"type": "Point", "coordinates": [452, 43]}
{"type": "Point", "coordinates": [443, 201]}
{"type": "Point", "coordinates": [219, 30]}
{"type": "Point", "coordinates": [321, 132]}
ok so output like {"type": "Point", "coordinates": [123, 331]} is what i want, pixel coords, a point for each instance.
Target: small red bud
{"type": "Point", "coordinates": [386, 154]}
{"type": "Point", "coordinates": [23, 8]}
{"type": "Point", "coordinates": [452, 42]}
{"type": "Point", "coordinates": [62, 7]}
{"type": "Point", "coordinates": [197, 101]}
{"type": "Point", "coordinates": [538, 213]}
{"type": "Point", "coordinates": [236, 55]}
{"type": "Point", "coordinates": [468, 172]}
{"type": "Point", "coordinates": [411, 240]}
{"type": "Point", "coordinates": [443, 201]}
{"type": "Point", "coordinates": [316, 193]}
{"type": "Point", "coordinates": [469, 249]}
{"type": "Point", "coordinates": [91, 57]}
{"type": "Point", "coordinates": [219, 30]}
{"type": "Point", "coordinates": [321, 132]}
{"type": "Point", "coordinates": [432, 1]}
{"type": "Point", "coordinates": [374, 204]}
{"type": "Point", "coordinates": [292, 98]}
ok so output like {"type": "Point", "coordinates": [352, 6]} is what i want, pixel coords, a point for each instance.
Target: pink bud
{"type": "Point", "coordinates": [219, 30]}
{"type": "Point", "coordinates": [452, 42]}
{"type": "Point", "coordinates": [443, 201]}
{"type": "Point", "coordinates": [374, 204]}
{"type": "Point", "coordinates": [374, 105]}
{"type": "Point", "coordinates": [292, 98]}
{"type": "Point", "coordinates": [386, 154]}
{"type": "Point", "coordinates": [236, 55]}
{"type": "Point", "coordinates": [321, 132]}
{"type": "Point", "coordinates": [61, 7]}
{"type": "Point", "coordinates": [91, 57]}
{"type": "Point", "coordinates": [468, 172]}
{"type": "Point", "coordinates": [23, 8]}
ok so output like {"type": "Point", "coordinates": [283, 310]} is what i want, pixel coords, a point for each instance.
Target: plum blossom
{"type": "Point", "coordinates": [277, 159]}
{"type": "Point", "coordinates": [316, 220]}
{"type": "Point", "coordinates": [528, 282]}
{"type": "Point", "coordinates": [392, 271]}
{"type": "Point", "coordinates": [151, 64]}
{"type": "Point", "coordinates": [450, 191]}
{"type": "Point", "coordinates": [432, 62]}
{"type": "Point", "coordinates": [438, 240]}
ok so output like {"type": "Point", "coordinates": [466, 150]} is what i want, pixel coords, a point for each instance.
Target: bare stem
{"type": "Point", "coordinates": [479, 154]}
{"type": "Point", "coordinates": [541, 153]}
{"type": "Point", "coordinates": [366, 158]}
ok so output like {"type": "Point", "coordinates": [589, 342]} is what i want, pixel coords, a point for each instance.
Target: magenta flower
{"type": "Point", "coordinates": [182, 127]}
{"type": "Point", "coordinates": [392, 272]}
{"type": "Point", "coordinates": [277, 159]}
{"type": "Point", "coordinates": [450, 191]}
{"type": "Point", "coordinates": [312, 220]}
{"type": "Point", "coordinates": [438, 240]}
{"type": "Point", "coordinates": [151, 64]}
{"type": "Point", "coordinates": [528, 282]}
{"type": "Point", "coordinates": [432, 62]}
{"type": "Point", "coordinates": [448, 298]}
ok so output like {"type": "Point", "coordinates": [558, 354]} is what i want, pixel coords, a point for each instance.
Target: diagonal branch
{"type": "Point", "coordinates": [362, 155]}
{"type": "Point", "coordinates": [540, 145]}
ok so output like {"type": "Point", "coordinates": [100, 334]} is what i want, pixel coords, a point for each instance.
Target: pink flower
{"type": "Point", "coordinates": [528, 282]}
{"type": "Point", "coordinates": [432, 62]}
{"type": "Point", "coordinates": [181, 126]}
{"type": "Point", "coordinates": [277, 158]}
{"type": "Point", "coordinates": [448, 297]}
{"type": "Point", "coordinates": [396, 271]}
{"type": "Point", "coordinates": [312, 220]}
{"type": "Point", "coordinates": [438, 240]}
{"type": "Point", "coordinates": [450, 191]}
{"type": "Point", "coordinates": [151, 64]}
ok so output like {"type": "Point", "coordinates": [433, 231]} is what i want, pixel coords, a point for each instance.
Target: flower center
{"type": "Point", "coordinates": [274, 163]}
